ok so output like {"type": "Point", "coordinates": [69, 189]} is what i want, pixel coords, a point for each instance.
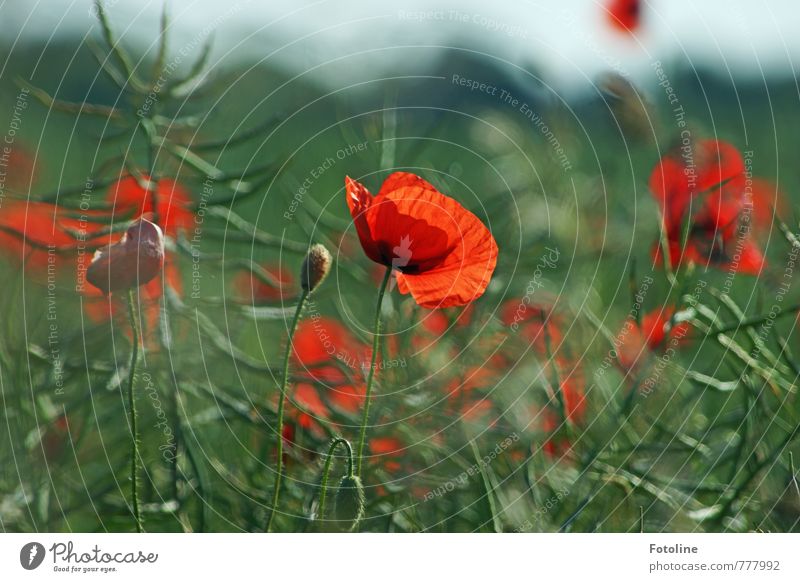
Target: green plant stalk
{"type": "Point", "coordinates": [327, 470]}
{"type": "Point", "coordinates": [765, 462]}
{"type": "Point", "coordinates": [362, 437]}
{"type": "Point", "coordinates": [276, 491]}
{"type": "Point", "coordinates": [137, 516]}
{"type": "Point", "coordinates": [560, 401]}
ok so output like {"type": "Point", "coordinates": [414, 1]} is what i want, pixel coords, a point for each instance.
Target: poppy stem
{"type": "Point", "coordinates": [557, 389]}
{"type": "Point", "coordinates": [276, 491]}
{"type": "Point", "coordinates": [327, 469]}
{"type": "Point", "coordinates": [371, 374]}
{"type": "Point", "coordinates": [137, 516]}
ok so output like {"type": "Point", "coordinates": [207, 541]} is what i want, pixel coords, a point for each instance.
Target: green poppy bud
{"type": "Point", "coordinates": [316, 267]}
{"type": "Point", "coordinates": [348, 509]}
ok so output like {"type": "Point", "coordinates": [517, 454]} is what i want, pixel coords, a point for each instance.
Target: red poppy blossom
{"type": "Point", "coordinates": [555, 445]}
{"type": "Point", "coordinates": [39, 233]}
{"type": "Point", "coordinates": [624, 15]}
{"type": "Point", "coordinates": [531, 321]}
{"type": "Point", "coordinates": [705, 185]}
{"type": "Point", "coordinates": [172, 208]}
{"type": "Point", "coordinates": [467, 394]}
{"type": "Point", "coordinates": [637, 342]}
{"type": "Point", "coordinates": [326, 351]}
{"type": "Point", "coordinates": [331, 363]}
{"type": "Point", "coordinates": [442, 254]}
{"type": "Point", "coordinates": [386, 452]}
{"type": "Point", "coordinates": [251, 288]}
{"type": "Point", "coordinates": [20, 170]}
{"type": "Point", "coordinates": [55, 438]}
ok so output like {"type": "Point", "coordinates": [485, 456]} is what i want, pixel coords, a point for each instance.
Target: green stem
{"type": "Point", "coordinates": [371, 374]}
{"type": "Point", "coordinates": [327, 469]}
{"type": "Point", "coordinates": [560, 401]}
{"type": "Point", "coordinates": [132, 409]}
{"type": "Point", "coordinates": [276, 491]}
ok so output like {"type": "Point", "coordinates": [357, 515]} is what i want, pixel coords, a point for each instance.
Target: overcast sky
{"type": "Point", "coordinates": [566, 39]}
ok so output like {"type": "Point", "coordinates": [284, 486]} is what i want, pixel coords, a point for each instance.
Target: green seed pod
{"type": "Point", "coordinates": [315, 268]}
{"type": "Point", "coordinates": [348, 508]}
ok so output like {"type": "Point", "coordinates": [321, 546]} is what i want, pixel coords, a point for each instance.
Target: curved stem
{"type": "Point", "coordinates": [327, 469]}
{"type": "Point", "coordinates": [132, 409]}
{"type": "Point", "coordinates": [371, 374]}
{"type": "Point", "coordinates": [276, 491]}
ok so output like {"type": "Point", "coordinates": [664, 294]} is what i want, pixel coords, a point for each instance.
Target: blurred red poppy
{"type": "Point", "coordinates": [174, 214]}
{"type": "Point", "coordinates": [172, 210]}
{"type": "Point", "coordinates": [20, 169]}
{"type": "Point", "coordinates": [555, 444]}
{"type": "Point", "coordinates": [637, 342]}
{"type": "Point", "coordinates": [442, 253]}
{"type": "Point", "coordinates": [252, 288]}
{"type": "Point", "coordinates": [386, 452]}
{"type": "Point", "coordinates": [468, 395]}
{"type": "Point", "coordinates": [705, 184]}
{"type": "Point", "coordinates": [55, 438]}
{"type": "Point", "coordinates": [330, 362]}
{"type": "Point", "coordinates": [42, 234]}
{"type": "Point", "coordinates": [528, 319]}
{"type": "Point", "coordinates": [323, 349]}
{"type": "Point", "coordinates": [624, 15]}
{"type": "Point", "coordinates": [572, 388]}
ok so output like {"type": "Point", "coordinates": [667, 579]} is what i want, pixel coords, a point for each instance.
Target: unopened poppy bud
{"type": "Point", "coordinates": [135, 260]}
{"type": "Point", "coordinates": [316, 267]}
{"type": "Point", "coordinates": [348, 508]}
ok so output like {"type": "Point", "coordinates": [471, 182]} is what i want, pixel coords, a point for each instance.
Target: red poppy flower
{"type": "Point", "coordinates": [174, 213]}
{"type": "Point", "coordinates": [326, 352]}
{"type": "Point", "coordinates": [386, 452]}
{"type": "Point", "coordinates": [442, 253]}
{"type": "Point", "coordinates": [172, 209]}
{"type": "Point", "coordinates": [251, 288]}
{"type": "Point", "coordinates": [348, 399]}
{"type": "Point", "coordinates": [331, 362]}
{"type": "Point", "coordinates": [636, 342]}
{"type": "Point", "coordinates": [56, 438]}
{"type": "Point", "coordinates": [20, 169]}
{"type": "Point", "coordinates": [467, 395]}
{"type": "Point", "coordinates": [706, 186]}
{"type": "Point", "coordinates": [40, 233]}
{"type": "Point", "coordinates": [438, 321]}
{"type": "Point", "coordinates": [572, 391]}
{"type": "Point", "coordinates": [532, 320]}
{"type": "Point", "coordinates": [624, 15]}
{"type": "Point", "coordinates": [767, 200]}
{"type": "Point", "coordinates": [555, 445]}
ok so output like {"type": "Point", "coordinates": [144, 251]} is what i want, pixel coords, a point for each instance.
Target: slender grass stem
{"type": "Point", "coordinates": [137, 516]}
{"type": "Point", "coordinates": [276, 491]}
{"type": "Point", "coordinates": [362, 437]}
{"type": "Point", "coordinates": [559, 395]}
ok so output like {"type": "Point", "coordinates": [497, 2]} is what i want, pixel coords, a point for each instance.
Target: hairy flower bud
{"type": "Point", "coordinates": [315, 268]}
{"type": "Point", "coordinates": [348, 508]}
{"type": "Point", "coordinates": [135, 260]}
